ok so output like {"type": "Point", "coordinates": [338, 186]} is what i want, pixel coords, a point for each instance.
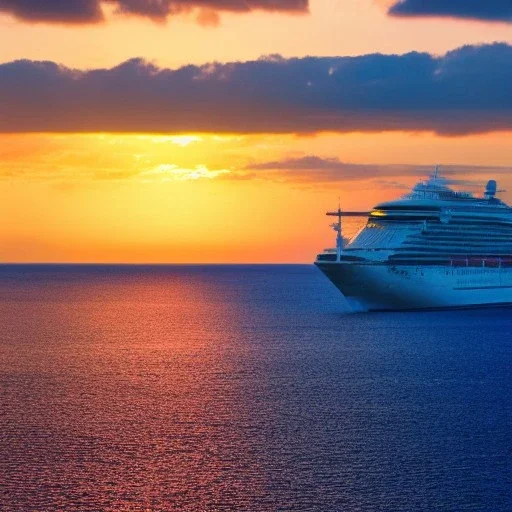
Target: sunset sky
{"type": "Point", "coordinates": [194, 131]}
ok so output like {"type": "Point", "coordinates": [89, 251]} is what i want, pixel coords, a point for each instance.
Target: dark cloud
{"type": "Point", "coordinates": [90, 11]}
{"type": "Point", "coordinates": [486, 10]}
{"type": "Point", "coordinates": [313, 168]}
{"type": "Point", "coordinates": [465, 91]}
{"type": "Point", "coordinates": [59, 11]}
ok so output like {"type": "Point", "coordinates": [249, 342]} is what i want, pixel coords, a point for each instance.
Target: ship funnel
{"type": "Point", "coordinates": [491, 189]}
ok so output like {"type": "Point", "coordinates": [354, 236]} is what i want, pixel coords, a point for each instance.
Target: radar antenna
{"type": "Point", "coordinates": [337, 228]}
{"type": "Point", "coordinates": [491, 189]}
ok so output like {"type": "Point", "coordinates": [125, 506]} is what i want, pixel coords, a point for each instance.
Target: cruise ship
{"type": "Point", "coordinates": [434, 248]}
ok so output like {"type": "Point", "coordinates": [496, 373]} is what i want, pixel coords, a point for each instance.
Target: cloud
{"type": "Point", "coordinates": [90, 11]}
{"type": "Point", "coordinates": [172, 172]}
{"type": "Point", "coordinates": [56, 11]}
{"type": "Point", "coordinates": [179, 140]}
{"type": "Point", "coordinates": [312, 168]}
{"type": "Point", "coordinates": [464, 91]}
{"type": "Point", "coordinates": [79, 160]}
{"type": "Point", "coordinates": [485, 10]}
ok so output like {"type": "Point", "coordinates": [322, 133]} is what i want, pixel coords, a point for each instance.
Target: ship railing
{"type": "Point", "coordinates": [481, 262]}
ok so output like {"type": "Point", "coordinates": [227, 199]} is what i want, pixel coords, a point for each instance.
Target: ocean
{"type": "Point", "coordinates": [244, 388]}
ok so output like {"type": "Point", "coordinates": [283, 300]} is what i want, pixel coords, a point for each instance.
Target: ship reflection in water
{"type": "Point", "coordinates": [243, 388]}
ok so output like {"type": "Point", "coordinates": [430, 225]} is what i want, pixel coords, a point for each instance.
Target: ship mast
{"type": "Point", "coordinates": [339, 236]}
{"type": "Point", "coordinates": [337, 226]}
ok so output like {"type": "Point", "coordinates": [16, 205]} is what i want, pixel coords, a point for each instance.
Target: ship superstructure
{"type": "Point", "coordinates": [433, 248]}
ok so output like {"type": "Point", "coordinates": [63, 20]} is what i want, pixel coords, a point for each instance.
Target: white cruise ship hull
{"type": "Point", "coordinates": [384, 287]}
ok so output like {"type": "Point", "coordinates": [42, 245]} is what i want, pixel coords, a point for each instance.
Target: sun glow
{"type": "Point", "coordinates": [146, 198]}
{"type": "Point", "coordinates": [179, 140]}
{"type": "Point", "coordinates": [171, 172]}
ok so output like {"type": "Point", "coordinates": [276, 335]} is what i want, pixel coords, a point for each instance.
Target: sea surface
{"type": "Point", "coordinates": [244, 388]}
